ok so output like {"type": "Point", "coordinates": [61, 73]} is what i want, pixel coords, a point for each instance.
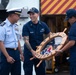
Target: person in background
{"type": "Point", "coordinates": [32, 33]}
{"type": "Point", "coordinates": [10, 45]}
{"type": "Point", "coordinates": [71, 44]}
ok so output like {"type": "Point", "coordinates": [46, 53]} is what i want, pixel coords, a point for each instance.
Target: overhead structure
{"type": "Point", "coordinates": [3, 4]}
{"type": "Point", "coordinates": [56, 7]}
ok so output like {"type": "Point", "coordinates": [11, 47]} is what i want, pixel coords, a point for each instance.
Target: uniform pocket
{"type": "Point", "coordinates": [8, 34]}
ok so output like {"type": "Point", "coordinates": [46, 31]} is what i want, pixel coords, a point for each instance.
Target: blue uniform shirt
{"type": "Point", "coordinates": [35, 33]}
{"type": "Point", "coordinates": [72, 36]}
{"type": "Point", "coordinates": [8, 34]}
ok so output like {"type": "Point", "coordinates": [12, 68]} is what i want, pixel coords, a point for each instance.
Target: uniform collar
{"type": "Point", "coordinates": [31, 23]}
{"type": "Point", "coordinates": [8, 22]}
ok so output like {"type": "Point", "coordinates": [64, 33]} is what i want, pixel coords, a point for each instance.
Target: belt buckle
{"type": "Point", "coordinates": [15, 48]}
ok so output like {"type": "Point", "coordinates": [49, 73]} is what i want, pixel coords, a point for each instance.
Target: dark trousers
{"type": "Point", "coordinates": [57, 61]}
{"type": "Point", "coordinates": [73, 68]}
{"type": "Point", "coordinates": [15, 68]}
{"type": "Point", "coordinates": [28, 66]}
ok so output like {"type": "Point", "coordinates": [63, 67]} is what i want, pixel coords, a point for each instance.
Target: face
{"type": "Point", "coordinates": [33, 16]}
{"type": "Point", "coordinates": [71, 20]}
{"type": "Point", "coordinates": [15, 17]}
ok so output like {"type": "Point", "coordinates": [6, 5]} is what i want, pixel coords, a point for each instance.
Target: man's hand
{"type": "Point", "coordinates": [33, 53]}
{"type": "Point", "coordinates": [10, 60]}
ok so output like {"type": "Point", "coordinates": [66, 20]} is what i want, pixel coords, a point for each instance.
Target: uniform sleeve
{"type": "Point", "coordinates": [2, 33]}
{"type": "Point", "coordinates": [18, 36]}
{"type": "Point", "coordinates": [72, 34]}
{"type": "Point", "coordinates": [47, 30]}
{"type": "Point", "coordinates": [25, 31]}
{"type": "Point", "coordinates": [17, 32]}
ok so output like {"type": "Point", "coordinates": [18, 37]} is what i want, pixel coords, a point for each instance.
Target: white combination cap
{"type": "Point", "coordinates": [14, 10]}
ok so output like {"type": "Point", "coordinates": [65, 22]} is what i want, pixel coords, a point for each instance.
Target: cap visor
{"type": "Point", "coordinates": [30, 12]}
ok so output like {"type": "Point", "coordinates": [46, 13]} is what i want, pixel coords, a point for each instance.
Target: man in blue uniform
{"type": "Point", "coordinates": [33, 35]}
{"type": "Point", "coordinates": [9, 44]}
{"type": "Point", "coordinates": [71, 44]}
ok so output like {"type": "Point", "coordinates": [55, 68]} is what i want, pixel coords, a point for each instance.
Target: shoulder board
{"type": "Point", "coordinates": [2, 24]}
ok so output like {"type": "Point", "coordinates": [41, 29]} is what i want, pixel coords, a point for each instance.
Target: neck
{"type": "Point", "coordinates": [35, 22]}
{"type": "Point", "coordinates": [73, 22]}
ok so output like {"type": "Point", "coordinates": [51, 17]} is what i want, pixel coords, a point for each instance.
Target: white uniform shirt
{"type": "Point", "coordinates": [9, 35]}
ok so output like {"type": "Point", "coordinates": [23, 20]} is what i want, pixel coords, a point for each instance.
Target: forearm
{"type": "Point", "coordinates": [26, 40]}
{"type": "Point", "coordinates": [28, 45]}
{"type": "Point", "coordinates": [19, 48]}
{"type": "Point", "coordinates": [68, 45]}
{"type": "Point", "coordinates": [2, 48]}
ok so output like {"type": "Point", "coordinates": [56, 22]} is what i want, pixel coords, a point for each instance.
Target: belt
{"type": "Point", "coordinates": [11, 48]}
